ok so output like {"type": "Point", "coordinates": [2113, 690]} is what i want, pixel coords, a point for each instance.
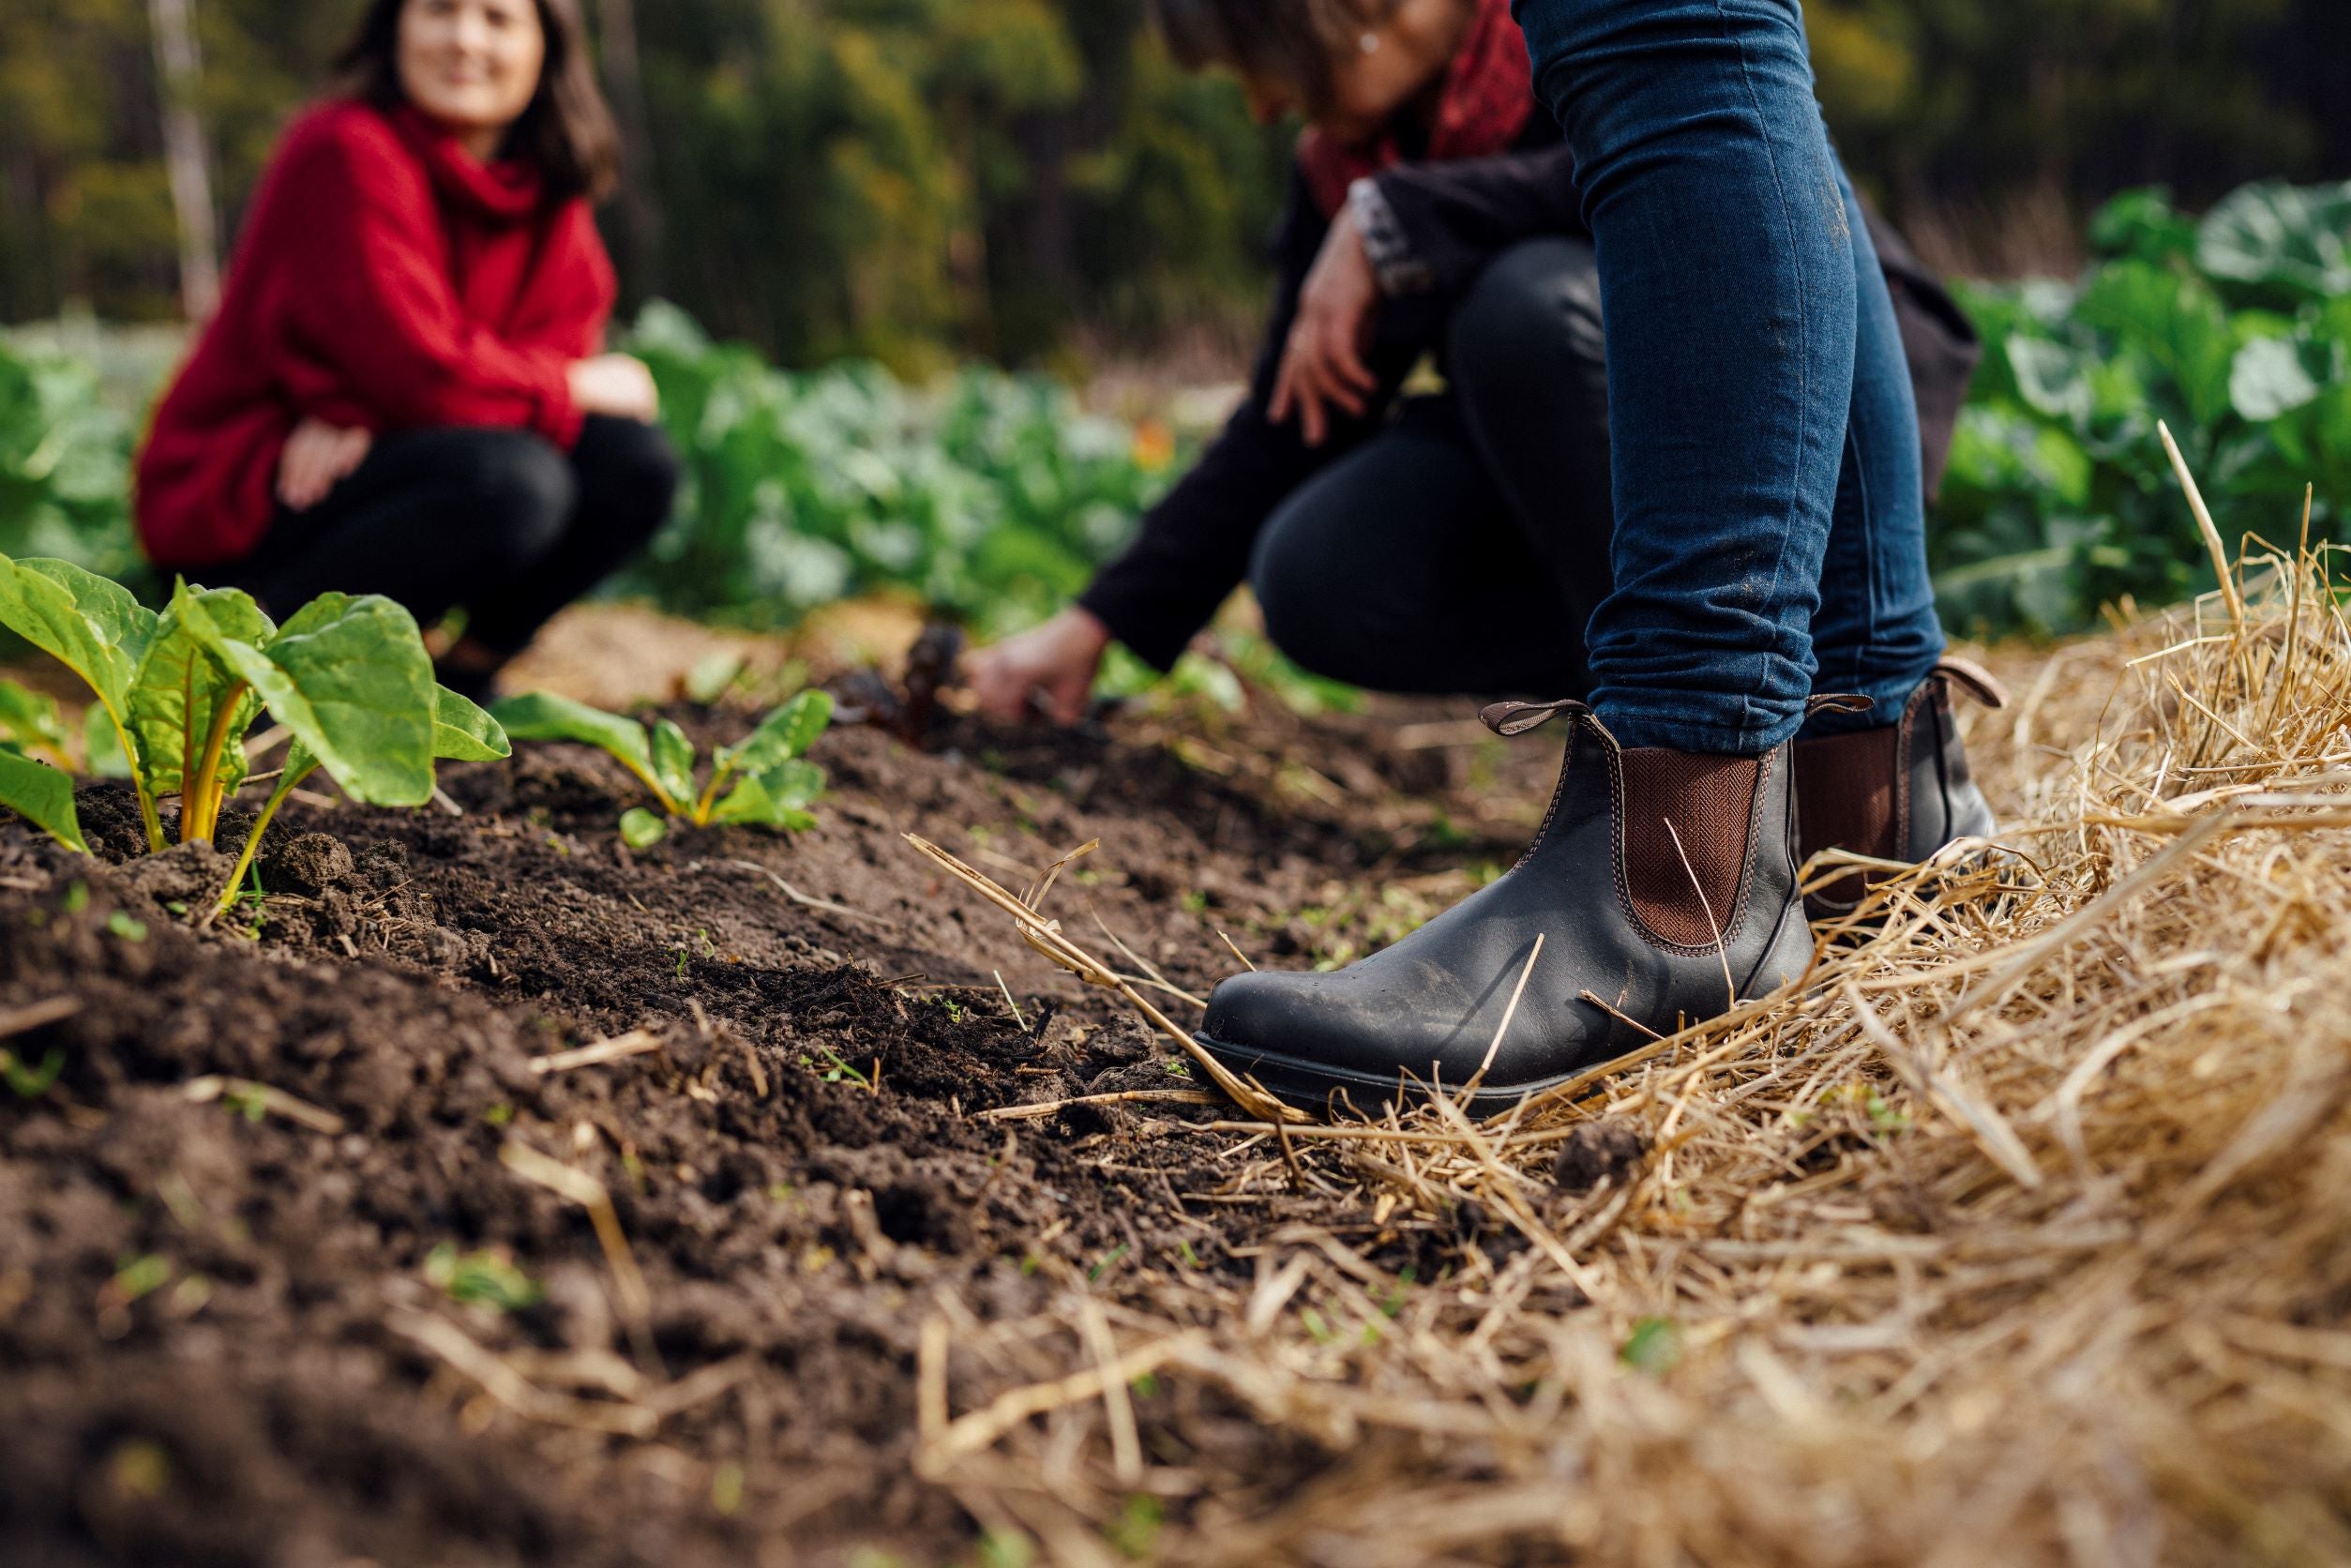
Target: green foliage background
{"type": "Point", "coordinates": [922, 180]}
{"type": "Point", "coordinates": [2236, 330]}
{"type": "Point", "coordinates": [905, 192]}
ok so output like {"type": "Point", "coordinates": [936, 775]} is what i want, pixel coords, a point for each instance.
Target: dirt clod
{"type": "Point", "coordinates": [1597, 1152]}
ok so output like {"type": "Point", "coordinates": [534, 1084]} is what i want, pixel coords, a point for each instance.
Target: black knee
{"type": "Point", "coordinates": [1294, 575]}
{"type": "Point", "coordinates": [520, 494]}
{"type": "Point", "coordinates": [1531, 315]}
{"type": "Point", "coordinates": [629, 475]}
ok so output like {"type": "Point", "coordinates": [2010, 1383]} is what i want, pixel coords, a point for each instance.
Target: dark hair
{"type": "Point", "coordinates": [567, 129]}
{"type": "Point", "coordinates": [1292, 42]}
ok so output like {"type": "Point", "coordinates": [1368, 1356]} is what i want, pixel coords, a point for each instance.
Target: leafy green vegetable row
{"type": "Point", "coordinates": [2234, 328]}
{"type": "Point", "coordinates": [64, 465]}
{"type": "Point", "coordinates": [174, 695]}
{"type": "Point", "coordinates": [994, 497]}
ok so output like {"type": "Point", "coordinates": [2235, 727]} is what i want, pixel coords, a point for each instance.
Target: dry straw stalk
{"type": "Point", "coordinates": [2021, 1234]}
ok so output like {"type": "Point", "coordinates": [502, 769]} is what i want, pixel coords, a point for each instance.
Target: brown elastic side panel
{"type": "Point", "coordinates": [1845, 799]}
{"type": "Point", "coordinates": [1709, 802]}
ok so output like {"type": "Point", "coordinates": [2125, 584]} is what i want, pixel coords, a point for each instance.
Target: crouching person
{"type": "Point", "coordinates": [405, 390]}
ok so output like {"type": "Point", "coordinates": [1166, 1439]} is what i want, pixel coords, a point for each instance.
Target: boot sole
{"type": "Point", "coordinates": [1312, 1086]}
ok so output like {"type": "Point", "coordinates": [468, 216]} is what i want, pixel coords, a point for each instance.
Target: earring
{"type": "Point", "coordinates": [1368, 43]}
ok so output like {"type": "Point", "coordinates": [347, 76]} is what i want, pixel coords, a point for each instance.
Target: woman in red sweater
{"type": "Point", "coordinates": [405, 390]}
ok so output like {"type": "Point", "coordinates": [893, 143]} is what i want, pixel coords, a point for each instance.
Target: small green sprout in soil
{"type": "Point", "coordinates": [763, 781]}
{"type": "Point", "coordinates": [1135, 1531]}
{"type": "Point", "coordinates": [176, 693]}
{"type": "Point", "coordinates": [488, 1277]}
{"type": "Point", "coordinates": [139, 1468]}
{"type": "Point", "coordinates": [726, 1489]}
{"type": "Point", "coordinates": [1106, 1264]}
{"type": "Point", "coordinates": [31, 1083]}
{"type": "Point", "coordinates": [1006, 1548]}
{"type": "Point", "coordinates": [126, 927]}
{"type": "Point", "coordinates": [1653, 1345]}
{"type": "Point", "coordinates": [839, 1071]}
{"type": "Point", "coordinates": [138, 1278]}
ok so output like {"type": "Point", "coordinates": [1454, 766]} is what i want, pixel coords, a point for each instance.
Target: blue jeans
{"type": "Point", "coordinates": [1769, 515]}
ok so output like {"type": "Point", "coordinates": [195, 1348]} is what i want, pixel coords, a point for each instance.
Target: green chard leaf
{"type": "Point", "coordinates": [674, 761]}
{"type": "Point", "coordinates": [351, 678]}
{"type": "Point", "coordinates": [90, 624]}
{"type": "Point", "coordinates": [778, 798]}
{"type": "Point", "coordinates": [784, 735]}
{"type": "Point", "coordinates": [43, 795]}
{"type": "Point", "coordinates": [463, 732]}
{"type": "Point", "coordinates": [542, 716]}
{"type": "Point", "coordinates": [181, 683]}
{"type": "Point", "coordinates": [640, 829]}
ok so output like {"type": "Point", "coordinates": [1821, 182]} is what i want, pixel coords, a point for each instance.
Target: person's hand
{"type": "Point", "coordinates": [1322, 364]}
{"type": "Point", "coordinates": [318, 456]}
{"type": "Point", "coordinates": [616, 385]}
{"type": "Point", "coordinates": [1049, 667]}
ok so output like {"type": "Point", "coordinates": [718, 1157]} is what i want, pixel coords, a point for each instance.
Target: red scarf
{"type": "Point", "coordinates": [504, 191]}
{"type": "Point", "coordinates": [1487, 97]}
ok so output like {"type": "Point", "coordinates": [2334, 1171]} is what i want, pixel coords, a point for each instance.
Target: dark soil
{"type": "Point", "coordinates": [211, 1296]}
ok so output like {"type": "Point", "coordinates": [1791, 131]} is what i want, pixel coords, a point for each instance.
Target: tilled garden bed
{"type": "Point", "coordinates": [285, 1276]}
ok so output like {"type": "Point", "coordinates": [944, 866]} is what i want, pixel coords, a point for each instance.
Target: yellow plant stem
{"type": "Point", "coordinates": [669, 807]}
{"type": "Point", "coordinates": [187, 752]}
{"type": "Point", "coordinates": [201, 796]}
{"type": "Point", "coordinates": [253, 842]}
{"type": "Point", "coordinates": [709, 801]}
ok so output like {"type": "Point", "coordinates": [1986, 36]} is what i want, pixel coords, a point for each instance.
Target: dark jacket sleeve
{"type": "Point", "coordinates": [1460, 215]}
{"type": "Point", "coordinates": [1194, 546]}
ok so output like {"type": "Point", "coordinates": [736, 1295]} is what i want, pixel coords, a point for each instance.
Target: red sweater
{"type": "Point", "coordinates": [384, 279]}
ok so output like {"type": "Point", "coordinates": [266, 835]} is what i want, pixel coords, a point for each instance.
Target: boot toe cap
{"type": "Point", "coordinates": [1350, 1035]}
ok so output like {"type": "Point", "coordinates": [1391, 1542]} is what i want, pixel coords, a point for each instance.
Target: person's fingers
{"type": "Point", "coordinates": [1346, 362]}
{"type": "Point", "coordinates": [297, 473]}
{"type": "Point", "coordinates": [992, 685]}
{"type": "Point", "coordinates": [1337, 394]}
{"type": "Point", "coordinates": [1311, 417]}
{"type": "Point", "coordinates": [1278, 410]}
{"type": "Point", "coordinates": [348, 451]}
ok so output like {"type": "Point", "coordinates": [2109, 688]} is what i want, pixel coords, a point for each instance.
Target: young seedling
{"type": "Point", "coordinates": [350, 676]}
{"type": "Point", "coordinates": [763, 781]}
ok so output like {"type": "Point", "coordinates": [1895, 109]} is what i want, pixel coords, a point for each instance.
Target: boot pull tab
{"type": "Point", "coordinates": [1980, 683]}
{"type": "Point", "coordinates": [1517, 719]}
{"type": "Point", "coordinates": [1838, 702]}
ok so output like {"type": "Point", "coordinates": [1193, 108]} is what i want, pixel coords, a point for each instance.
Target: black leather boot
{"type": "Point", "coordinates": [1644, 926]}
{"type": "Point", "coordinates": [1898, 793]}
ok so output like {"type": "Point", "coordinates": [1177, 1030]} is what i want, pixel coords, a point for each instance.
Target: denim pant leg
{"type": "Point", "coordinates": [1727, 277]}
{"type": "Point", "coordinates": [1877, 632]}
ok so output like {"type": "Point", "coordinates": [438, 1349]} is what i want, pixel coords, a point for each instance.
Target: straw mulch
{"type": "Point", "coordinates": [2021, 1233]}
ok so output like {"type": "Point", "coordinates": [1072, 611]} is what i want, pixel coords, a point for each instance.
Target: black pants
{"type": "Point", "coordinates": [1464, 546]}
{"type": "Point", "coordinates": [498, 522]}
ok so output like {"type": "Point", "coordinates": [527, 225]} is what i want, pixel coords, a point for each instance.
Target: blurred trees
{"type": "Point", "coordinates": [921, 178]}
